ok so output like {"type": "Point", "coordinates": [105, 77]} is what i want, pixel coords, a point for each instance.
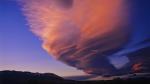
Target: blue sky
{"type": "Point", "coordinates": [20, 49]}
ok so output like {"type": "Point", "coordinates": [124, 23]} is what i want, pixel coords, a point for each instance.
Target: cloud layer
{"type": "Point", "coordinates": [91, 35]}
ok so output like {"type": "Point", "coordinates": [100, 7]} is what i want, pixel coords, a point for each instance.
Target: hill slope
{"type": "Point", "coordinates": [17, 77]}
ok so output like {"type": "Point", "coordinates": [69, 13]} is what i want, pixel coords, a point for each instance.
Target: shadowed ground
{"type": "Point", "coordinates": [16, 77]}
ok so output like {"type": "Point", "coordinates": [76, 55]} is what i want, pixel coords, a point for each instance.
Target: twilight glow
{"type": "Point", "coordinates": [96, 36]}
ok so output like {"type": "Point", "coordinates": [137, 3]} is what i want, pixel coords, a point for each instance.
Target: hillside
{"type": "Point", "coordinates": [18, 77]}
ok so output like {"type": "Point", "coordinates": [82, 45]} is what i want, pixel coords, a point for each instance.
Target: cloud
{"type": "Point", "coordinates": [91, 35]}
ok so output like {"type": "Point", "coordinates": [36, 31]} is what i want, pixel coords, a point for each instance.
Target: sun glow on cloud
{"type": "Point", "coordinates": [81, 33]}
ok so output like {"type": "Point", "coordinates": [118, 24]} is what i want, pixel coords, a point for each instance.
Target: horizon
{"type": "Point", "coordinates": [60, 37]}
{"type": "Point", "coordinates": [20, 49]}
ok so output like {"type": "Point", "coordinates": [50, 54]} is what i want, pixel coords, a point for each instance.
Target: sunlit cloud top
{"type": "Point", "coordinates": [93, 35]}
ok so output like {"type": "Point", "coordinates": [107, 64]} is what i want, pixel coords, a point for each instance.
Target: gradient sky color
{"type": "Point", "coordinates": [21, 50]}
{"type": "Point", "coordinates": [122, 42]}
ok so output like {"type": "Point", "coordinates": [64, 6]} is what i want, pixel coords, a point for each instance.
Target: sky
{"type": "Point", "coordinates": [20, 49]}
{"type": "Point", "coordinates": [67, 37]}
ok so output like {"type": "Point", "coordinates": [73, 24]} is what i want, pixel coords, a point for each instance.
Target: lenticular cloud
{"type": "Point", "coordinates": [96, 36]}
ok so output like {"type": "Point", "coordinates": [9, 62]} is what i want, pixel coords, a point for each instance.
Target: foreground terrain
{"type": "Point", "coordinates": [17, 77]}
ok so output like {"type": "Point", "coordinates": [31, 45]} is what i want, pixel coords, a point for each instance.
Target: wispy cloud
{"type": "Point", "coordinates": [81, 33]}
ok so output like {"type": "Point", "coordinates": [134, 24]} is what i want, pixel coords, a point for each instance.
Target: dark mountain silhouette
{"type": "Point", "coordinates": [18, 77]}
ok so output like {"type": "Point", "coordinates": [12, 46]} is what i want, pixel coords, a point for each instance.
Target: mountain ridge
{"type": "Point", "coordinates": [19, 77]}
